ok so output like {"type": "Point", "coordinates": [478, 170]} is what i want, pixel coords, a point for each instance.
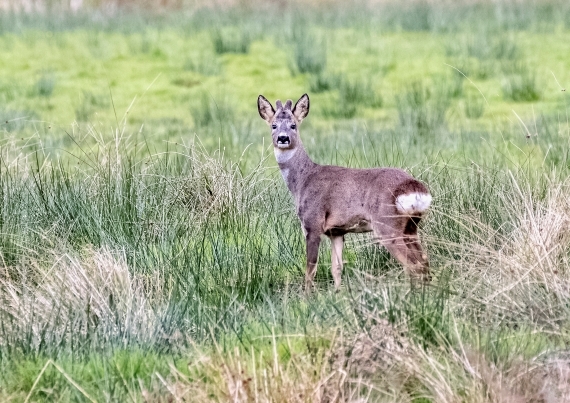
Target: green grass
{"type": "Point", "coordinates": [149, 249]}
{"type": "Point", "coordinates": [474, 105]}
{"type": "Point", "coordinates": [164, 71]}
{"type": "Point", "coordinates": [309, 50]}
{"type": "Point", "coordinates": [231, 40]}
{"type": "Point", "coordinates": [322, 82]}
{"type": "Point", "coordinates": [45, 85]}
{"type": "Point", "coordinates": [520, 83]}
{"type": "Point", "coordinates": [422, 110]}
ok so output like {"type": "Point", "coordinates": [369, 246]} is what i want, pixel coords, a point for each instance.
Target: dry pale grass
{"type": "Point", "coordinates": [522, 274]}
{"type": "Point", "coordinates": [210, 184]}
{"type": "Point", "coordinates": [77, 292]}
{"type": "Point", "coordinates": [381, 364]}
{"type": "Point", "coordinates": [243, 377]}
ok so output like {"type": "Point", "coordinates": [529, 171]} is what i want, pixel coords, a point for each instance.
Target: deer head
{"type": "Point", "coordinates": [284, 121]}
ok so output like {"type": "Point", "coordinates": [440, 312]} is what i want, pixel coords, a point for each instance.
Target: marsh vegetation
{"type": "Point", "coordinates": [149, 250]}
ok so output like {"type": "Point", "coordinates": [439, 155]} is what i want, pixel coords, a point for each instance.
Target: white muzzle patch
{"type": "Point", "coordinates": [283, 143]}
{"type": "Point", "coordinates": [413, 203]}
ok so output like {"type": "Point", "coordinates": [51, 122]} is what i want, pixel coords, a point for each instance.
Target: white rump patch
{"type": "Point", "coordinates": [282, 156]}
{"type": "Point", "coordinates": [413, 203]}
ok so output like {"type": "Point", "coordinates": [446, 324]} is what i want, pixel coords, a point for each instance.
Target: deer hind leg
{"type": "Point", "coordinates": [412, 240]}
{"type": "Point", "coordinates": [313, 240]}
{"type": "Point", "coordinates": [401, 240]}
{"type": "Point", "coordinates": [337, 243]}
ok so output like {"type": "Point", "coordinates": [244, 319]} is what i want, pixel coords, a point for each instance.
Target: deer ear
{"type": "Point", "coordinates": [265, 108]}
{"type": "Point", "coordinates": [301, 109]}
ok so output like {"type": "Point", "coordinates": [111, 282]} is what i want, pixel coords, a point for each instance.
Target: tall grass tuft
{"type": "Point", "coordinates": [481, 55]}
{"type": "Point", "coordinates": [323, 81]}
{"type": "Point", "coordinates": [231, 40]}
{"type": "Point", "coordinates": [45, 84]}
{"type": "Point", "coordinates": [89, 104]}
{"type": "Point", "coordinates": [205, 63]}
{"type": "Point", "coordinates": [353, 93]}
{"type": "Point", "coordinates": [474, 106]}
{"type": "Point", "coordinates": [309, 51]}
{"type": "Point", "coordinates": [208, 111]}
{"type": "Point", "coordinates": [486, 46]}
{"type": "Point", "coordinates": [422, 109]}
{"type": "Point", "coordinates": [416, 17]}
{"type": "Point", "coordinates": [519, 83]}
{"type": "Point", "coordinates": [358, 91]}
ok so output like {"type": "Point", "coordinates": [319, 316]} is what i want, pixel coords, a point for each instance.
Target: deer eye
{"type": "Point", "coordinates": [293, 127]}
{"type": "Point", "coordinates": [274, 126]}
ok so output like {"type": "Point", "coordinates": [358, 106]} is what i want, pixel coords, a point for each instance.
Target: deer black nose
{"type": "Point", "coordinates": [283, 139]}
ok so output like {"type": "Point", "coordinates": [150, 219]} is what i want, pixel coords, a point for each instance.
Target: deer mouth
{"type": "Point", "coordinates": [283, 143]}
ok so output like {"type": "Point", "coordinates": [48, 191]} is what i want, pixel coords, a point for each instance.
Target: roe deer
{"type": "Point", "coordinates": [335, 200]}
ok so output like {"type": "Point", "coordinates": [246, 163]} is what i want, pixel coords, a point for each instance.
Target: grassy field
{"type": "Point", "coordinates": [149, 249]}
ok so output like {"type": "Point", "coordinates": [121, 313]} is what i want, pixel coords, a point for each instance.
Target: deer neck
{"type": "Point", "coordinates": [295, 165]}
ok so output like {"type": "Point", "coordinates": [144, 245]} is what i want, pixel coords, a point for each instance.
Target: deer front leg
{"type": "Point", "coordinates": [337, 243]}
{"type": "Point", "coordinates": [313, 241]}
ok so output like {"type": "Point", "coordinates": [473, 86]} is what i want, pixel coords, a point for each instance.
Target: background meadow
{"type": "Point", "coordinates": [149, 249]}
